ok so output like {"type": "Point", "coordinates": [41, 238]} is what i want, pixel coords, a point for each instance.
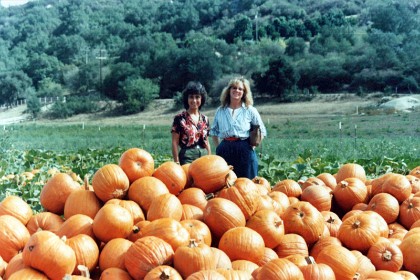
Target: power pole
{"type": "Point", "coordinates": [100, 58]}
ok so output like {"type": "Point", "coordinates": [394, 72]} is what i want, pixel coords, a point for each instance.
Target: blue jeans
{"type": "Point", "coordinates": [241, 156]}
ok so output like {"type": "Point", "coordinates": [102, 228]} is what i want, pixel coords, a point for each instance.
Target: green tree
{"type": "Point", "coordinates": [137, 94]}
{"type": "Point", "coordinates": [43, 66]}
{"type": "Point", "coordinates": [47, 87]}
{"type": "Point", "coordinates": [119, 73]}
{"type": "Point", "coordinates": [33, 104]}
{"type": "Point", "coordinates": [13, 86]}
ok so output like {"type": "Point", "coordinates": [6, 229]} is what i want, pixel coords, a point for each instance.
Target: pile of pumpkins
{"type": "Point", "coordinates": [135, 220]}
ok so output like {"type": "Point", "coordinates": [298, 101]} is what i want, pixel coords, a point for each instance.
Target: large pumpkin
{"type": "Point", "coordinates": [351, 170]}
{"type": "Point", "coordinates": [55, 192]}
{"type": "Point", "coordinates": [137, 163]}
{"type": "Point", "coordinates": [169, 230]}
{"type": "Point", "coordinates": [340, 259]}
{"type": "Point", "coordinates": [350, 192]}
{"type": "Point", "coordinates": [145, 189]}
{"type": "Point", "coordinates": [172, 175]}
{"type": "Point", "coordinates": [147, 253]}
{"type": "Point", "coordinates": [13, 237]}
{"type": "Point", "coordinates": [44, 221]}
{"type": "Point", "coordinates": [209, 173]}
{"type": "Point", "coordinates": [48, 253]}
{"type": "Point", "coordinates": [112, 254]}
{"type": "Point", "coordinates": [82, 201]}
{"type": "Point", "coordinates": [193, 257]}
{"type": "Point", "coordinates": [86, 250]}
{"type": "Point", "coordinates": [165, 206]}
{"type": "Point", "coordinates": [110, 181]}
{"type": "Point", "coordinates": [269, 225]}
{"type": "Point", "coordinates": [15, 206]}
{"type": "Point", "coordinates": [280, 269]}
{"type": "Point", "coordinates": [410, 247]}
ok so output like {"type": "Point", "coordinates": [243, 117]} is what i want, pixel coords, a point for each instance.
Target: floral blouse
{"type": "Point", "coordinates": [190, 134]}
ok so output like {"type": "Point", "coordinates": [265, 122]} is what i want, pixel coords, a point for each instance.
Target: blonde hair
{"type": "Point", "coordinates": [247, 96]}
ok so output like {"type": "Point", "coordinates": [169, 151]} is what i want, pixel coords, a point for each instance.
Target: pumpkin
{"type": "Point", "coordinates": [76, 224]}
{"type": "Point", "coordinates": [409, 212]}
{"type": "Point", "coordinates": [365, 265]}
{"type": "Point", "coordinates": [3, 266]}
{"type": "Point", "coordinates": [410, 247]}
{"type": "Point", "coordinates": [269, 254]}
{"type": "Point", "coordinates": [132, 207]}
{"type": "Point", "coordinates": [48, 253]}
{"type": "Point", "coordinates": [163, 272]}
{"type": "Point", "coordinates": [263, 184]}
{"type": "Point", "coordinates": [15, 206]}
{"type": "Point", "coordinates": [145, 189]}
{"type": "Point", "coordinates": [209, 274]}
{"type": "Point", "coordinates": [322, 243]}
{"type": "Point", "coordinates": [186, 168]}
{"type": "Point", "coordinates": [172, 175]}
{"type": "Point", "coordinates": [332, 221]}
{"type": "Point", "coordinates": [136, 231]}
{"type": "Point", "coordinates": [54, 193]}
{"type": "Point", "coordinates": [415, 183]}
{"type": "Point", "coordinates": [244, 265]}
{"type": "Point", "coordinates": [195, 196]}
{"type": "Point", "coordinates": [340, 259]}
{"type": "Point", "coordinates": [234, 274]}
{"type": "Point", "coordinates": [169, 230]}
{"type": "Point", "coordinates": [112, 221]}
{"type": "Point", "coordinates": [221, 258]}
{"type": "Point", "coordinates": [359, 232]}
{"type": "Point", "coordinates": [351, 170]}
{"type": "Point", "coordinates": [165, 206]}
{"type": "Point", "coordinates": [280, 201]}
{"type": "Point", "coordinates": [243, 193]}
{"type": "Point", "coordinates": [13, 237]}
{"type": "Point", "coordinates": [280, 269]}
{"type": "Point", "coordinates": [209, 173]}
{"type": "Point", "coordinates": [385, 205]}
{"type": "Point", "coordinates": [328, 179]}
{"type": "Point", "coordinates": [110, 181]}
{"type": "Point", "coordinates": [193, 257]}
{"type": "Point", "coordinates": [221, 214]}
{"type": "Point", "coordinates": [383, 275]}
{"type": "Point", "coordinates": [15, 264]}
{"type": "Point", "coordinates": [406, 275]}
{"type": "Point", "coordinates": [191, 212]}
{"type": "Point", "coordinates": [288, 186]}
{"type": "Point", "coordinates": [86, 250]}
{"type": "Point", "coordinates": [136, 163]}
{"type": "Point", "coordinates": [269, 225]}
{"type": "Point", "coordinates": [242, 243]}
{"type": "Point", "coordinates": [82, 201]}
{"type": "Point", "coordinates": [198, 231]}
{"type": "Point", "coordinates": [44, 221]}
{"type": "Point", "coordinates": [318, 196]}
{"type": "Point", "coordinates": [319, 271]}
{"type": "Point", "coordinates": [147, 253]}
{"type": "Point", "coordinates": [304, 219]}
{"type": "Point", "coordinates": [291, 244]}
{"type": "Point", "coordinates": [397, 231]}
{"type": "Point", "coordinates": [113, 273]}
{"type": "Point", "coordinates": [112, 254]}
{"type": "Point", "coordinates": [311, 181]}
{"type": "Point", "coordinates": [415, 172]}
{"type": "Point", "coordinates": [349, 192]}
{"type": "Point", "coordinates": [385, 255]}
{"type": "Point", "coordinates": [398, 186]}
{"type": "Point", "coordinates": [28, 273]}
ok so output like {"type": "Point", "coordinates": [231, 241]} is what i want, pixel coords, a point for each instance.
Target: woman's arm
{"type": "Point", "coordinates": [175, 141]}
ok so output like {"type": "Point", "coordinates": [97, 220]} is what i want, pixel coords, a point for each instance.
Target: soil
{"type": "Point", "coordinates": [162, 111]}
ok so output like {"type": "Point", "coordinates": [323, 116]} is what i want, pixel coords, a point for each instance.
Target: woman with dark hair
{"type": "Point", "coordinates": [190, 128]}
{"type": "Point", "coordinates": [232, 125]}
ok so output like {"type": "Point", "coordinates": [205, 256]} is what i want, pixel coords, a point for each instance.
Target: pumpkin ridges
{"type": "Point", "coordinates": [15, 206]}
{"type": "Point", "coordinates": [13, 236]}
{"type": "Point", "coordinates": [110, 181]}
{"type": "Point", "coordinates": [136, 163]}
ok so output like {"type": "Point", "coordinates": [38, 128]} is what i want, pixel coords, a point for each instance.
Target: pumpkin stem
{"type": "Point", "coordinates": [209, 196]}
{"type": "Point", "coordinates": [86, 182]}
{"type": "Point", "coordinates": [356, 276]}
{"type": "Point", "coordinates": [84, 271]}
{"type": "Point", "coordinates": [387, 256]}
{"type": "Point", "coordinates": [331, 220]}
{"type": "Point", "coordinates": [310, 260]}
{"type": "Point", "coordinates": [135, 229]}
{"type": "Point", "coordinates": [356, 224]}
{"type": "Point", "coordinates": [344, 184]}
{"type": "Point", "coordinates": [164, 276]}
{"type": "Point", "coordinates": [192, 243]}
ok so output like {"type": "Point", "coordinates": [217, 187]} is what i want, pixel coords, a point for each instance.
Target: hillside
{"type": "Point", "coordinates": [161, 111]}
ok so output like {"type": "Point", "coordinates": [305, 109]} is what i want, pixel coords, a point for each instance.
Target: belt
{"type": "Point", "coordinates": [232, 139]}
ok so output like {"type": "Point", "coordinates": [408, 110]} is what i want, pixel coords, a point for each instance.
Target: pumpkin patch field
{"type": "Point", "coordinates": [133, 215]}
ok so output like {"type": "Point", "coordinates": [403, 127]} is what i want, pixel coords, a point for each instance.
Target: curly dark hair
{"type": "Point", "coordinates": [194, 87]}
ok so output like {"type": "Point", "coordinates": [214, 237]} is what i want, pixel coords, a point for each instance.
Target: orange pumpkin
{"type": "Point", "coordinates": [195, 196]}
{"type": "Point", "coordinates": [410, 247]}
{"type": "Point", "coordinates": [398, 186]}
{"type": "Point", "coordinates": [172, 175]}
{"type": "Point", "coordinates": [44, 221]}
{"type": "Point", "coordinates": [279, 269]}
{"type": "Point", "coordinates": [209, 173]}
{"type": "Point", "coordinates": [15, 206]}
{"type": "Point", "coordinates": [328, 179]}
{"type": "Point", "coordinates": [291, 244]}
{"type": "Point", "coordinates": [269, 225]}
{"type": "Point", "coordinates": [132, 207]}
{"type": "Point", "coordinates": [288, 186]}
{"type": "Point", "coordinates": [318, 196]}
{"type": "Point", "coordinates": [385, 205]}
{"type": "Point", "coordinates": [221, 214]}
{"type": "Point", "coordinates": [112, 221]}
{"type": "Point", "coordinates": [385, 255]}
{"type": "Point", "coordinates": [113, 273]}
{"type": "Point", "coordinates": [351, 170]}
{"type": "Point", "coordinates": [332, 221]}
{"type": "Point", "coordinates": [165, 206]}
{"type": "Point", "coordinates": [340, 259]}
{"type": "Point", "coordinates": [136, 163]}
{"type": "Point", "coordinates": [145, 254]}
{"type": "Point", "coordinates": [163, 272]}
{"type": "Point", "coordinates": [86, 250]}
{"type": "Point", "coordinates": [169, 230]}
{"type": "Point", "coordinates": [13, 237]}
{"type": "Point", "coordinates": [42, 250]}
{"type": "Point", "coordinates": [222, 259]}
{"type": "Point", "coordinates": [145, 189]}
{"type": "Point", "coordinates": [110, 181]}
{"type": "Point", "coordinates": [191, 212]}
{"type": "Point", "coordinates": [28, 273]}
{"type": "Point", "coordinates": [349, 192]}
{"type": "Point", "coordinates": [409, 212]}
{"type": "Point", "coordinates": [365, 265]}
{"type": "Point", "coordinates": [198, 231]}
{"type": "Point", "coordinates": [15, 264]}
{"type": "Point", "coordinates": [54, 193]}
{"type": "Point", "coordinates": [112, 254]}
{"type": "Point", "coordinates": [192, 258]}
{"type": "Point", "coordinates": [314, 270]}
{"type": "Point", "coordinates": [75, 225]}
{"type": "Point", "coordinates": [206, 275]}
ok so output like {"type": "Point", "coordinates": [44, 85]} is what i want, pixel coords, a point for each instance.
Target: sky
{"type": "Point", "coordinates": [7, 3]}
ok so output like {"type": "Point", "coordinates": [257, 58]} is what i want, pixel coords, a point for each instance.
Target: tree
{"type": "Point", "coordinates": [137, 94]}
{"type": "Point", "coordinates": [278, 79]}
{"type": "Point", "coordinates": [13, 86]}
{"type": "Point", "coordinates": [33, 104]}
{"type": "Point", "coordinates": [119, 73]}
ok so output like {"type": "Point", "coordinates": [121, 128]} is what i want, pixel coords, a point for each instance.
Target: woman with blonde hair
{"type": "Point", "coordinates": [231, 127]}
